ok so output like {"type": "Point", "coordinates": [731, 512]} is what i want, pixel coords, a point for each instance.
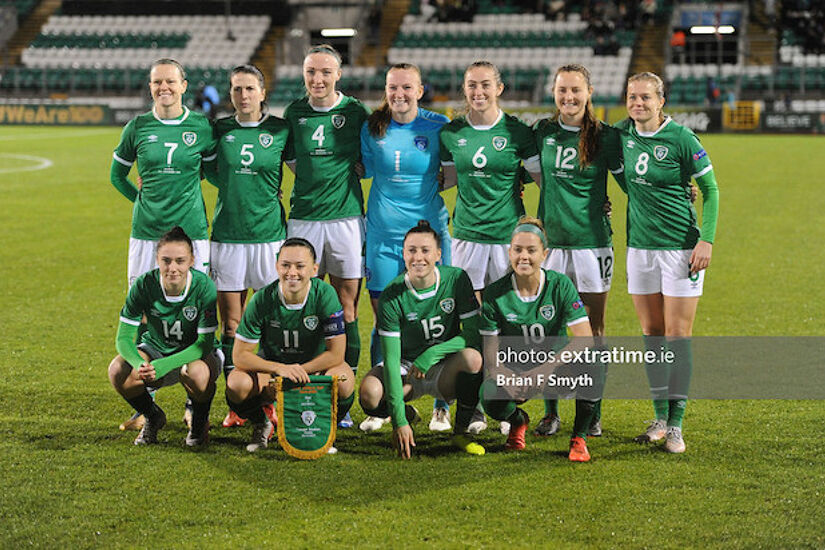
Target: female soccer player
{"type": "Point", "coordinates": [427, 321]}
{"type": "Point", "coordinates": [483, 152]}
{"type": "Point", "coordinates": [168, 143]}
{"type": "Point", "coordinates": [249, 224]}
{"type": "Point", "coordinates": [298, 323]}
{"type": "Point", "coordinates": [535, 304]}
{"type": "Point", "coordinates": [577, 150]}
{"type": "Point", "coordinates": [667, 253]}
{"type": "Point", "coordinates": [327, 204]}
{"type": "Point", "coordinates": [178, 304]}
{"type": "Point", "coordinates": [399, 147]}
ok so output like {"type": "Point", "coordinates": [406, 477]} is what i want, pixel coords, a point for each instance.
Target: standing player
{"type": "Point", "coordinates": [543, 304]}
{"type": "Point", "coordinates": [667, 253]}
{"type": "Point", "coordinates": [577, 150]}
{"type": "Point", "coordinates": [298, 323]}
{"type": "Point", "coordinates": [327, 204]}
{"type": "Point", "coordinates": [168, 143]}
{"type": "Point", "coordinates": [178, 304]}
{"type": "Point", "coordinates": [399, 147]}
{"type": "Point", "coordinates": [483, 152]}
{"type": "Point", "coordinates": [427, 321]}
{"type": "Point", "coordinates": [249, 224]}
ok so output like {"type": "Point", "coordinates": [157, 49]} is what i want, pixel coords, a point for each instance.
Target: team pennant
{"type": "Point", "coordinates": [307, 415]}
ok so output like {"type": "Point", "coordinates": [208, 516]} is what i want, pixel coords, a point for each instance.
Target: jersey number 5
{"type": "Point", "coordinates": [247, 157]}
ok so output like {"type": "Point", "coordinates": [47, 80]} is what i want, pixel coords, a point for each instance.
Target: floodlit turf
{"type": "Point", "coordinates": [753, 474]}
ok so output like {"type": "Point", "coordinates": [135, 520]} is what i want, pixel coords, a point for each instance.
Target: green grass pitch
{"type": "Point", "coordinates": [753, 475]}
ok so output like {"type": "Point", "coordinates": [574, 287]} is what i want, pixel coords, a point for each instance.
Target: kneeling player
{"type": "Point", "coordinates": [541, 303]}
{"type": "Point", "coordinates": [179, 305]}
{"type": "Point", "coordinates": [427, 319]}
{"type": "Point", "coordinates": [299, 324]}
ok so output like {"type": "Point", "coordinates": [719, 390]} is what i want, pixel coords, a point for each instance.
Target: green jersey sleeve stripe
{"type": "Point", "coordinates": [210, 157]}
{"type": "Point", "coordinates": [133, 322]}
{"type": "Point", "coordinates": [704, 171]}
{"type": "Point", "coordinates": [447, 163]}
{"type": "Point", "coordinates": [389, 334]}
{"type": "Point", "coordinates": [488, 332]}
{"type": "Point", "coordinates": [247, 340]}
{"type": "Point", "coordinates": [122, 161]}
{"type": "Point", "coordinates": [470, 314]}
{"type": "Point", "coordinates": [579, 320]}
{"type": "Point", "coordinates": [618, 170]}
{"type": "Point", "coordinates": [207, 330]}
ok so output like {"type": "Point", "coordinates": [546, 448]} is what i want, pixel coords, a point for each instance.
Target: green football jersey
{"type": "Point", "coordinates": [572, 199]}
{"type": "Point", "coordinates": [169, 154]}
{"type": "Point", "coordinates": [292, 333]}
{"type": "Point", "coordinates": [487, 162]}
{"type": "Point", "coordinates": [658, 167]}
{"type": "Point", "coordinates": [172, 322]}
{"type": "Point", "coordinates": [424, 319]}
{"type": "Point", "coordinates": [556, 306]}
{"type": "Point", "coordinates": [326, 145]}
{"type": "Point", "coordinates": [248, 171]}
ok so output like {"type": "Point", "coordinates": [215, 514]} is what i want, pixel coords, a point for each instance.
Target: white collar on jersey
{"type": "Point", "coordinates": [528, 299]}
{"type": "Point", "coordinates": [327, 109]}
{"type": "Point", "coordinates": [293, 306]}
{"type": "Point", "coordinates": [568, 127]}
{"type": "Point", "coordinates": [484, 127]}
{"type": "Point", "coordinates": [423, 295]}
{"type": "Point", "coordinates": [172, 121]}
{"type": "Point", "coordinates": [176, 299]}
{"type": "Point", "coordinates": [252, 123]}
{"type": "Point", "coordinates": [656, 131]}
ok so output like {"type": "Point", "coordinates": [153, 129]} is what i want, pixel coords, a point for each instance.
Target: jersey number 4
{"type": "Point", "coordinates": [318, 135]}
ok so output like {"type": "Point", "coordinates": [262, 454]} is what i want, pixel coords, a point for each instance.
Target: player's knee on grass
{"type": "Point", "coordinates": [346, 387]}
{"type": "Point", "coordinates": [239, 385]}
{"type": "Point", "coordinates": [471, 360]}
{"type": "Point", "coordinates": [370, 393]}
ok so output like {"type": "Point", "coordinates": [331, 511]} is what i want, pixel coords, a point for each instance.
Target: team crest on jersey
{"type": "Point", "coordinates": [265, 140]}
{"type": "Point", "coordinates": [447, 305]}
{"type": "Point", "coordinates": [190, 312]}
{"type": "Point", "coordinates": [189, 138]}
{"type": "Point", "coordinates": [421, 142]}
{"type": "Point", "coordinates": [311, 322]}
{"type": "Point", "coordinates": [338, 121]}
{"type": "Point", "coordinates": [547, 311]}
{"type": "Point", "coordinates": [499, 143]}
{"type": "Point", "coordinates": [308, 417]}
{"type": "Point", "coordinates": [660, 152]}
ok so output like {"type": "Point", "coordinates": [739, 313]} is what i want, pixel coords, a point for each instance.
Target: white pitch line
{"type": "Point", "coordinates": [53, 135]}
{"type": "Point", "coordinates": [41, 163]}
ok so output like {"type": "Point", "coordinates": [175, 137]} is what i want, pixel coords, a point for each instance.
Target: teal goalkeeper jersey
{"type": "Point", "coordinates": [658, 167]}
{"type": "Point", "coordinates": [292, 333]}
{"type": "Point", "coordinates": [487, 161]}
{"type": "Point", "coordinates": [326, 145]}
{"type": "Point", "coordinates": [247, 172]}
{"type": "Point", "coordinates": [173, 322]}
{"type": "Point", "coordinates": [556, 306]}
{"type": "Point", "coordinates": [572, 199]}
{"type": "Point", "coordinates": [169, 155]}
